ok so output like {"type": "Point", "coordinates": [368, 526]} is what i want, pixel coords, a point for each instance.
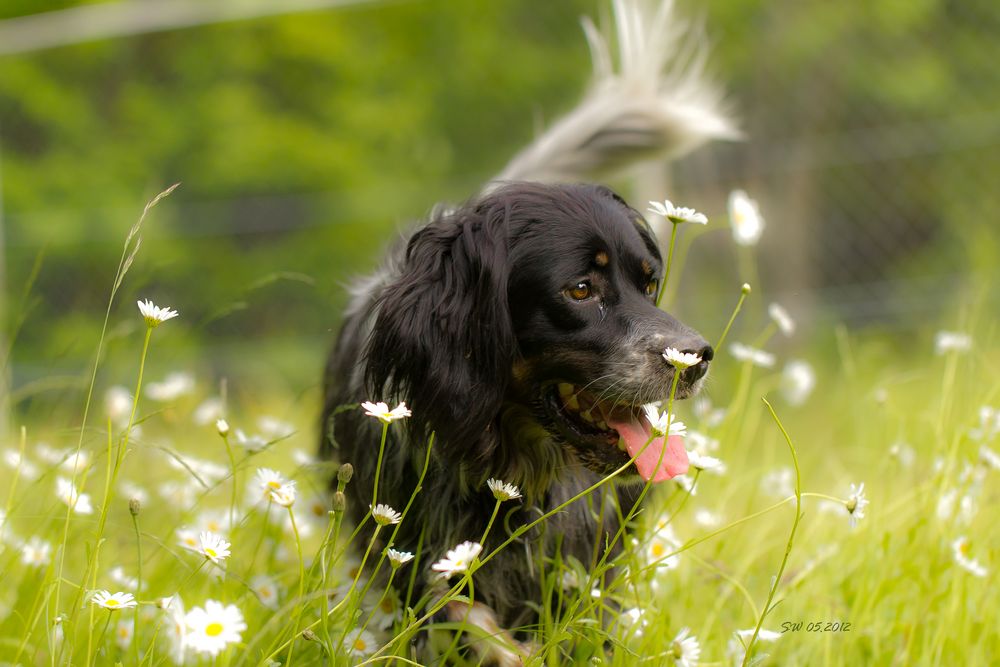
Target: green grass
{"type": "Point", "coordinates": [887, 411]}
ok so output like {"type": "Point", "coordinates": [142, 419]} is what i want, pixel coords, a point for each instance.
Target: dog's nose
{"type": "Point", "coordinates": [705, 352]}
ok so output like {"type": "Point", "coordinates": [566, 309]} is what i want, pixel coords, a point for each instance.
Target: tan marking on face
{"type": "Point", "coordinates": [646, 268]}
{"type": "Point", "coordinates": [601, 259]}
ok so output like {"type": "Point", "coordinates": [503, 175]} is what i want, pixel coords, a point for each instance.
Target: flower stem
{"type": "Point", "coordinates": [670, 258]}
{"type": "Point", "coordinates": [378, 464]}
{"type": "Point", "coordinates": [138, 583]}
{"type": "Point", "coordinates": [232, 499]}
{"type": "Point", "coordinates": [791, 536]}
{"type": "Point", "coordinates": [732, 318]}
{"type": "Point", "coordinates": [302, 580]}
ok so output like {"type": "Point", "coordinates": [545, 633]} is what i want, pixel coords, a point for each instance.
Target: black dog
{"type": "Point", "coordinates": [522, 330]}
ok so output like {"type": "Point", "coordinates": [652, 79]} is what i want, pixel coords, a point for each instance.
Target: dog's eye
{"type": "Point", "coordinates": [580, 291]}
{"type": "Point", "coordinates": [651, 287]}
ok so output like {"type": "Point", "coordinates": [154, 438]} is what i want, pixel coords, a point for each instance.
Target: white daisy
{"type": "Point", "coordinates": [503, 491]}
{"type": "Point", "coordinates": [214, 521]}
{"type": "Point", "coordinates": [763, 635]}
{"type": "Point", "coordinates": [458, 560]}
{"type": "Point", "coordinates": [663, 542]}
{"type": "Point", "coordinates": [274, 428]}
{"type": "Point", "coordinates": [686, 482]}
{"type": "Point", "coordinates": [385, 608]}
{"type": "Point", "coordinates": [13, 459]}
{"type": "Point", "coordinates": [117, 575]}
{"type": "Point", "coordinates": [269, 481]}
{"type": "Point", "coordinates": [952, 341]}
{"type": "Point", "coordinates": [360, 643]}
{"type": "Point", "coordinates": [213, 547]}
{"type": "Point", "coordinates": [382, 412]}
{"type": "Point", "coordinates": [266, 590]}
{"type": "Point", "coordinates": [209, 630]}
{"type": "Point", "coordinates": [706, 463]}
{"type": "Point", "coordinates": [113, 601]}
{"type": "Point", "coordinates": [36, 552]}
{"type": "Point", "coordinates": [706, 517]}
{"type": "Point", "coordinates": [78, 502]}
{"type": "Point", "coordinates": [208, 411]}
{"type": "Point", "coordinates": [284, 495]}
{"type": "Point", "coordinates": [781, 317]}
{"type": "Point", "coordinates": [677, 214]}
{"type": "Point", "coordinates": [736, 647]}
{"type": "Point", "coordinates": [661, 423]}
{"type": "Point", "coordinates": [398, 558]}
{"type": "Point", "coordinates": [634, 619]}
{"type": "Point", "coordinates": [685, 649]}
{"type": "Point", "coordinates": [76, 461]}
{"type": "Point", "coordinates": [961, 548]}
{"type": "Point", "coordinates": [123, 633]}
{"type": "Point", "coordinates": [745, 218]}
{"type": "Point", "coordinates": [188, 539]}
{"type": "Point", "coordinates": [176, 627]}
{"type": "Point", "coordinates": [989, 458]}
{"type": "Point", "coordinates": [856, 503]}
{"type": "Point", "coordinates": [179, 494]}
{"type": "Point", "coordinates": [707, 413]}
{"type": "Point", "coordinates": [154, 315]}
{"type": "Point", "coordinates": [966, 507]}
{"type": "Point", "coordinates": [989, 424]}
{"type": "Point", "coordinates": [701, 442]}
{"type": "Point", "coordinates": [757, 357]}
{"type": "Point", "coordinates": [779, 482]}
{"type": "Point", "coordinates": [797, 381]}
{"type": "Point", "coordinates": [118, 404]}
{"type": "Point", "coordinates": [251, 443]}
{"type": "Point", "coordinates": [680, 360]}
{"type": "Point", "coordinates": [903, 453]}
{"type": "Point", "coordinates": [171, 387]}
{"type": "Point", "coordinates": [385, 515]}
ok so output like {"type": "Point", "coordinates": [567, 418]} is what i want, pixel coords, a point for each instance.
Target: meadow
{"type": "Point", "coordinates": [838, 511]}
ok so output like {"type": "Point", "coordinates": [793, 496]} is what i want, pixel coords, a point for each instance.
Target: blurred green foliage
{"type": "Point", "coordinates": [305, 141]}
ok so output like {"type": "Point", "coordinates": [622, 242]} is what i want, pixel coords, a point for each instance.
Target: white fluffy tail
{"type": "Point", "coordinates": [658, 104]}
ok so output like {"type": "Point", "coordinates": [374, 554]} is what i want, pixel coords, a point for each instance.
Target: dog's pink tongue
{"type": "Point", "coordinates": [653, 463]}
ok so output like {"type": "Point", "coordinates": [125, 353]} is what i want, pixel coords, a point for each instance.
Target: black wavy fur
{"type": "Point", "coordinates": [472, 321]}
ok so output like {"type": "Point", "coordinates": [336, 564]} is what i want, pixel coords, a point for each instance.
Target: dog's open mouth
{"type": "Point", "coordinates": [606, 434]}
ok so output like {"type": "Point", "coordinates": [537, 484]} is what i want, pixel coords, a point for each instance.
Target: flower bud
{"type": "Point", "coordinates": [222, 426]}
{"type": "Point", "coordinates": [134, 506]}
{"type": "Point", "coordinates": [345, 473]}
{"type": "Point", "coordinates": [339, 501]}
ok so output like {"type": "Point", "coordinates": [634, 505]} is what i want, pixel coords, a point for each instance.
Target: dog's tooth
{"type": "Point", "coordinates": [572, 403]}
{"type": "Point", "coordinates": [565, 389]}
{"type": "Point", "coordinates": [602, 425]}
{"type": "Point", "coordinates": [621, 444]}
{"type": "Point", "coordinates": [586, 416]}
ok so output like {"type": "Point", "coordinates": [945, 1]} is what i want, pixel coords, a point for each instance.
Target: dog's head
{"type": "Point", "coordinates": [538, 299]}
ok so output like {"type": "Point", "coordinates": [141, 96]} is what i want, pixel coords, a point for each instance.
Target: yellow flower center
{"type": "Point", "coordinates": [386, 605]}
{"type": "Point", "coordinates": [360, 644]}
{"type": "Point", "coordinates": [964, 547]}
{"type": "Point", "coordinates": [658, 550]}
{"type": "Point", "coordinates": [111, 602]}
{"type": "Point", "coordinates": [273, 484]}
{"type": "Point", "coordinates": [213, 629]}
{"type": "Point", "coordinates": [210, 552]}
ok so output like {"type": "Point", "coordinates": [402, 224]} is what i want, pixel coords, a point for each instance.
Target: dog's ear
{"type": "Point", "coordinates": [443, 339]}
